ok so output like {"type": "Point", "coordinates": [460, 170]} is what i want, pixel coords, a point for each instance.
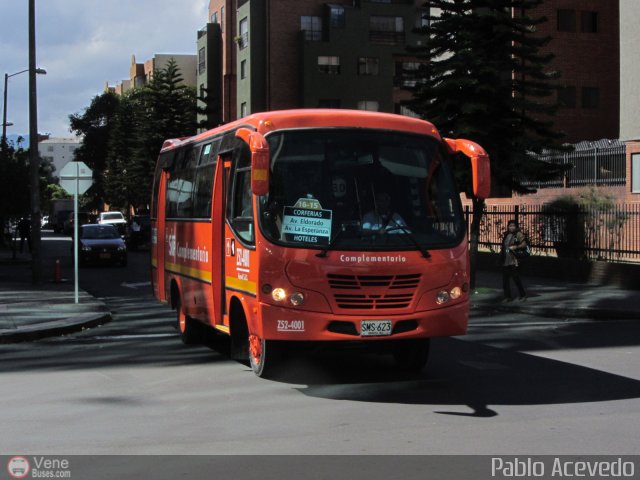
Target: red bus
{"type": "Point", "coordinates": [314, 226]}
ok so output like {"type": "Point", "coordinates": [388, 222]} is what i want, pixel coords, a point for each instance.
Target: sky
{"type": "Point", "coordinates": [82, 44]}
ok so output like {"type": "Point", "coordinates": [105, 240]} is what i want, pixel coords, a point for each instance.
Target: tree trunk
{"type": "Point", "coordinates": [478, 212]}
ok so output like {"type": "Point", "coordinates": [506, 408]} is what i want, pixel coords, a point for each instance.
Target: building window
{"type": "Point", "coordinates": [214, 17]}
{"type": "Point", "coordinates": [222, 19]}
{"type": "Point", "coordinates": [243, 69]}
{"type": "Point", "coordinates": [406, 74]}
{"type": "Point", "coordinates": [243, 37]}
{"type": "Point", "coordinates": [337, 16]}
{"type": "Point", "coordinates": [203, 92]}
{"type": "Point", "coordinates": [386, 30]}
{"type": "Point", "coordinates": [590, 97]}
{"type": "Point", "coordinates": [635, 173]}
{"type": "Point", "coordinates": [589, 22]}
{"type": "Point", "coordinates": [422, 18]}
{"type": "Point", "coordinates": [329, 65]}
{"type": "Point", "coordinates": [202, 63]}
{"type": "Point", "coordinates": [368, 65]}
{"type": "Point", "coordinates": [312, 27]}
{"type": "Point", "coordinates": [567, 97]}
{"type": "Point", "coordinates": [243, 109]}
{"type": "Point", "coordinates": [329, 103]}
{"type": "Point", "coordinates": [406, 111]}
{"type": "Point", "coordinates": [50, 148]}
{"type": "Point", "coordinates": [370, 105]}
{"type": "Point", "coordinates": [566, 20]}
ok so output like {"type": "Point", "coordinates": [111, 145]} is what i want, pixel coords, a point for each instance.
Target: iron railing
{"type": "Point", "coordinates": [591, 163]}
{"type": "Point", "coordinates": [611, 233]}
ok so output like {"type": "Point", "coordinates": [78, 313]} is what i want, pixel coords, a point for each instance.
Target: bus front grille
{"type": "Point", "coordinates": [373, 292]}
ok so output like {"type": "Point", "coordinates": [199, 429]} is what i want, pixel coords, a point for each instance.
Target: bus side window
{"type": "Point", "coordinates": [241, 199]}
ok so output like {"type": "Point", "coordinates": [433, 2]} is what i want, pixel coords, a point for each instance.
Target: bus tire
{"type": "Point", "coordinates": [412, 355]}
{"type": "Point", "coordinates": [187, 327]}
{"type": "Point", "coordinates": [264, 356]}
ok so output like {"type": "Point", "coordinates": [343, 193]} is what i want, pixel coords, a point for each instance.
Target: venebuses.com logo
{"type": "Point", "coordinates": [38, 467]}
{"type": "Point", "coordinates": [18, 467]}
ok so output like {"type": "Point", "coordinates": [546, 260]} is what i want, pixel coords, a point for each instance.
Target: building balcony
{"type": "Point", "coordinates": [386, 38]}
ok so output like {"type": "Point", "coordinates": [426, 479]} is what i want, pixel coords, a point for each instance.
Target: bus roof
{"type": "Point", "coordinates": [266, 122]}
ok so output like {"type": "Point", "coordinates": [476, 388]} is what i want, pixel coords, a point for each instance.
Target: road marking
{"type": "Point", "coordinates": [133, 336]}
{"type": "Point", "coordinates": [135, 285]}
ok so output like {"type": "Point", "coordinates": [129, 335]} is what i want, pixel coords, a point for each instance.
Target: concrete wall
{"type": "Point", "coordinates": [624, 275]}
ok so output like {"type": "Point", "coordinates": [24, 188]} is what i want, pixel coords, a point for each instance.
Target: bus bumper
{"type": "Point", "coordinates": [289, 324]}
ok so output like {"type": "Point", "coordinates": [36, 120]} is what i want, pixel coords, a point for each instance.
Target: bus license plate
{"type": "Point", "coordinates": [375, 328]}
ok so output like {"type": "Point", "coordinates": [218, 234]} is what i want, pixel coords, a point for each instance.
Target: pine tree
{"type": "Point", "coordinates": [483, 77]}
{"type": "Point", "coordinates": [167, 109]}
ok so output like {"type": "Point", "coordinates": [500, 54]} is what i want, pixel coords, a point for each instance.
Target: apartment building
{"type": "Point", "coordinates": [310, 53]}
{"type": "Point", "coordinates": [142, 73]}
{"type": "Point", "coordinates": [58, 150]}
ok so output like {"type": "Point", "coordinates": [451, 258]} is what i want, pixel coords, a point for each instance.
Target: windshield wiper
{"type": "Point", "coordinates": [331, 244]}
{"type": "Point", "coordinates": [425, 253]}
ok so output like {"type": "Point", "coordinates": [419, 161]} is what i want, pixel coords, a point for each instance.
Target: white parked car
{"type": "Point", "coordinates": [113, 218]}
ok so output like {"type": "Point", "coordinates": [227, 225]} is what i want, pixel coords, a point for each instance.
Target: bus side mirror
{"type": "Point", "coordinates": [480, 164]}
{"type": "Point", "coordinates": [259, 160]}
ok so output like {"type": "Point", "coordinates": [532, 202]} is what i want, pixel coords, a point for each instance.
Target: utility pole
{"type": "Point", "coordinates": [34, 159]}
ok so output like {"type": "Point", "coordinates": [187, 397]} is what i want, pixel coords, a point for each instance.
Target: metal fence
{"type": "Point", "coordinates": [591, 163]}
{"type": "Point", "coordinates": [611, 234]}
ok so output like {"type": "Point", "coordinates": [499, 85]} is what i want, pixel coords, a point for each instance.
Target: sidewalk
{"type": "Point", "coordinates": [552, 298]}
{"type": "Point", "coordinates": [28, 312]}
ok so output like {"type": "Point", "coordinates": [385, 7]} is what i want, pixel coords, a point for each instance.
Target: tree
{"type": "Point", "coordinates": [123, 136]}
{"type": "Point", "coordinates": [482, 77]}
{"type": "Point", "coordinates": [167, 110]}
{"type": "Point", "coordinates": [95, 125]}
{"type": "Point", "coordinates": [118, 183]}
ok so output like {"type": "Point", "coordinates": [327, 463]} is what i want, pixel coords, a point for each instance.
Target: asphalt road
{"type": "Point", "coordinates": [515, 385]}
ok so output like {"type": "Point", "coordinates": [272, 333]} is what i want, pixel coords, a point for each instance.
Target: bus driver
{"type": "Point", "coordinates": [382, 219]}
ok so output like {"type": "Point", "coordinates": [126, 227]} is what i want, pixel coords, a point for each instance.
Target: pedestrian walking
{"type": "Point", "coordinates": [24, 229]}
{"type": "Point", "coordinates": [512, 240]}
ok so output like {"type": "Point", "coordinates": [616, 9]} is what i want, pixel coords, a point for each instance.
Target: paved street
{"type": "Point", "coordinates": [517, 384]}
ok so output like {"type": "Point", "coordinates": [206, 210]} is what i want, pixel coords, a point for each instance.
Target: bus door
{"type": "Point", "coordinates": [158, 240]}
{"type": "Point", "coordinates": [218, 243]}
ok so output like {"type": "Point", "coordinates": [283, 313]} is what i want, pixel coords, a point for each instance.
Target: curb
{"type": "Point", "coordinates": [55, 328]}
{"type": "Point", "coordinates": [554, 312]}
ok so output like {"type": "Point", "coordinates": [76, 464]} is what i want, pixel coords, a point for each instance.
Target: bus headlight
{"type": "Point", "coordinates": [278, 294]}
{"type": "Point", "coordinates": [296, 299]}
{"type": "Point", "coordinates": [442, 297]}
{"type": "Point", "coordinates": [455, 293]}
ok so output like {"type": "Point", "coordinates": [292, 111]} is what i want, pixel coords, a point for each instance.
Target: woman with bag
{"type": "Point", "coordinates": [513, 243]}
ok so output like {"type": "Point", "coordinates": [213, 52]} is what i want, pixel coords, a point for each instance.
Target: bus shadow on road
{"type": "Point", "coordinates": [461, 373]}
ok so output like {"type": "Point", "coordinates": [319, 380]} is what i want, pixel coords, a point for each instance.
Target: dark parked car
{"type": "Point", "coordinates": [101, 243]}
{"type": "Point", "coordinates": [139, 231]}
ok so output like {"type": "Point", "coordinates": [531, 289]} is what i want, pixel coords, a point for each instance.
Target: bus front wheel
{"type": "Point", "coordinates": [263, 356]}
{"type": "Point", "coordinates": [412, 355]}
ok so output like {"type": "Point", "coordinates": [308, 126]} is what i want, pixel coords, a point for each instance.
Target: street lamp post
{"type": "Point", "coordinates": [34, 158]}
{"type": "Point", "coordinates": [5, 124]}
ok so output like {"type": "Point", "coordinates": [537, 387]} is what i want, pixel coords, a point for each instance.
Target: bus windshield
{"type": "Point", "coordinates": [356, 189]}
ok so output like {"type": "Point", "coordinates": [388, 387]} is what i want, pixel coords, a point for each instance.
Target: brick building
{"type": "Point", "coordinates": [586, 44]}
